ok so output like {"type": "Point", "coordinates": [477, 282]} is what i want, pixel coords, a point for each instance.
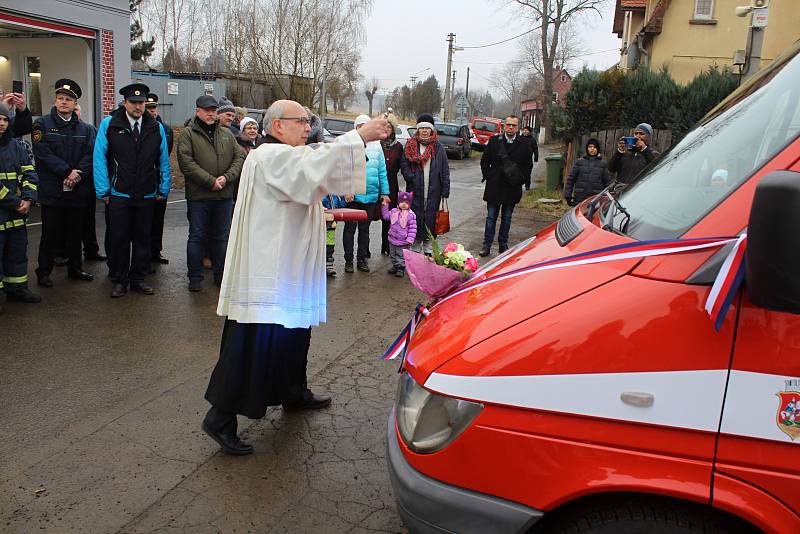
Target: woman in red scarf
{"type": "Point", "coordinates": [427, 173]}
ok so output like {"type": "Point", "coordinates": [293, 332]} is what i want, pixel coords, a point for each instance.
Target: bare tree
{"type": "Point", "coordinates": [510, 82]}
{"type": "Point", "coordinates": [553, 16]}
{"type": "Point", "coordinates": [370, 88]}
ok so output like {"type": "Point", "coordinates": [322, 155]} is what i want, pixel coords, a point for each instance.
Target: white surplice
{"type": "Point", "coordinates": [275, 263]}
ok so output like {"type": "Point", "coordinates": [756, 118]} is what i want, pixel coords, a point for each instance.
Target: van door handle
{"type": "Point", "coordinates": [637, 398]}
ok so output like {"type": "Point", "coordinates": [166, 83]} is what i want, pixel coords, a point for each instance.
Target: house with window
{"type": "Point", "coordinates": [690, 35]}
{"type": "Point", "coordinates": [87, 41]}
{"type": "Point", "coordinates": [531, 109]}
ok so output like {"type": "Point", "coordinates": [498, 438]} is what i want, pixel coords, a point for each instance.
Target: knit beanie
{"type": "Point", "coordinates": [405, 196]}
{"type": "Point", "coordinates": [245, 121]}
{"type": "Point", "coordinates": [646, 128]}
{"type": "Point", "coordinates": [425, 121]}
{"type": "Point", "coordinates": [595, 142]}
{"type": "Point", "coordinates": [225, 106]}
{"type": "Point", "coordinates": [361, 119]}
{"type": "Point", "coordinates": [4, 111]}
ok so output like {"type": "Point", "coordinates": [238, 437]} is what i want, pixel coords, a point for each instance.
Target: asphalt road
{"type": "Point", "coordinates": [102, 401]}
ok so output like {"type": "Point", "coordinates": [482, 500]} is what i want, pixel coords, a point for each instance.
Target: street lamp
{"type": "Point", "coordinates": [414, 76]}
{"type": "Point", "coordinates": [755, 36]}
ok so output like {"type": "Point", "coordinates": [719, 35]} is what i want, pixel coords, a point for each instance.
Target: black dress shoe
{"type": "Point", "coordinates": [158, 258]}
{"type": "Point", "coordinates": [314, 402]}
{"type": "Point", "coordinates": [141, 287]}
{"type": "Point", "coordinates": [44, 281]}
{"type": "Point", "coordinates": [24, 295]}
{"type": "Point", "coordinates": [78, 274]}
{"type": "Point", "coordinates": [118, 290]}
{"type": "Point", "coordinates": [230, 443]}
{"type": "Point", "coordinates": [95, 257]}
{"type": "Point", "coordinates": [484, 252]}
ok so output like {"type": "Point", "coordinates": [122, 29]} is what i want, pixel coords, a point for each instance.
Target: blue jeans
{"type": "Point", "coordinates": [492, 211]}
{"type": "Point", "coordinates": [207, 218]}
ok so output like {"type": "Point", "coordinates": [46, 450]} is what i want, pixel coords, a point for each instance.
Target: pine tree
{"type": "Point", "coordinates": [143, 49]}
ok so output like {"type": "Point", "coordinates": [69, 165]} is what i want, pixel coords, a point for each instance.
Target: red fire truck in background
{"type": "Point", "coordinates": [484, 128]}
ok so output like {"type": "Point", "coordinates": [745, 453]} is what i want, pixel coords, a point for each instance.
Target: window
{"type": "Point", "coordinates": [33, 75]}
{"type": "Point", "coordinates": [563, 77]}
{"type": "Point", "coordinates": [555, 98]}
{"type": "Point", "coordinates": [703, 9]}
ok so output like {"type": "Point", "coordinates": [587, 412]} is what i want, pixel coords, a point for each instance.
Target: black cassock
{"type": "Point", "coordinates": [259, 365]}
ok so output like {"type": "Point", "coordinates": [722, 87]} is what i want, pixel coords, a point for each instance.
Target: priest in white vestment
{"type": "Point", "coordinates": [273, 289]}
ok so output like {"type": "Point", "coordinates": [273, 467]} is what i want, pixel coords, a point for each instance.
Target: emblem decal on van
{"type": "Point", "coordinates": [788, 417]}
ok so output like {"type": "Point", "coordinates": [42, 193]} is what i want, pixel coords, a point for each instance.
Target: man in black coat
{"type": "Point", "coordinates": [627, 161]}
{"type": "Point", "coordinates": [506, 165]}
{"type": "Point", "coordinates": [63, 148]}
{"type": "Point", "coordinates": [530, 134]}
{"type": "Point", "coordinates": [157, 232]}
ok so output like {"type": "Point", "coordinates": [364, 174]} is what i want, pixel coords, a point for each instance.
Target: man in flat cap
{"type": "Point", "coordinates": [157, 232]}
{"type": "Point", "coordinates": [131, 173]}
{"type": "Point", "coordinates": [211, 160]}
{"type": "Point", "coordinates": [62, 145]}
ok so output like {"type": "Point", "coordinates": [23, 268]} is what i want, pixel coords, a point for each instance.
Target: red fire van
{"type": "Point", "coordinates": [600, 397]}
{"type": "Point", "coordinates": [484, 129]}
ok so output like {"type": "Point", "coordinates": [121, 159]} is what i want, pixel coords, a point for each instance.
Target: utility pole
{"type": "Point", "coordinates": [323, 99]}
{"type": "Point", "coordinates": [452, 90]}
{"type": "Point", "coordinates": [451, 37]}
{"type": "Point", "coordinates": [466, 95]}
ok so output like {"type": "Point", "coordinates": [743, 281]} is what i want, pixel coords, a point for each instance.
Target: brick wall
{"type": "Point", "coordinates": [107, 71]}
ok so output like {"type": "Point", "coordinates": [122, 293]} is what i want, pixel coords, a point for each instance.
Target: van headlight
{"type": "Point", "coordinates": [428, 422]}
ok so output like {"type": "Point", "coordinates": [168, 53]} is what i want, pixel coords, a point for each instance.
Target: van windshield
{"type": "Point", "coordinates": [736, 139]}
{"type": "Point", "coordinates": [485, 126]}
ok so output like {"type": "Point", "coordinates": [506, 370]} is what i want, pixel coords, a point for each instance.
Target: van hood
{"type": "Point", "coordinates": [460, 322]}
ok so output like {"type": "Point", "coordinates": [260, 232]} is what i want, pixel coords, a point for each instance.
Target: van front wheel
{"type": "Point", "coordinates": [636, 516]}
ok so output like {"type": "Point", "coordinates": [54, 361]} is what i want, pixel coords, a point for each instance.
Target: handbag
{"type": "Point", "coordinates": [511, 170]}
{"type": "Point", "coordinates": [442, 223]}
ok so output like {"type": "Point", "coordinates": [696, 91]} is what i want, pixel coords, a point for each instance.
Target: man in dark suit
{"type": "Point", "coordinates": [506, 165]}
{"type": "Point", "coordinates": [157, 232]}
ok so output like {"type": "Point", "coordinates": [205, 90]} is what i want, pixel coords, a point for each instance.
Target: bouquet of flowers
{"type": "Point", "coordinates": [444, 271]}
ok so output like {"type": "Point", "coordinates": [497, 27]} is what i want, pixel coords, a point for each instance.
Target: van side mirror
{"type": "Point", "coordinates": [772, 259]}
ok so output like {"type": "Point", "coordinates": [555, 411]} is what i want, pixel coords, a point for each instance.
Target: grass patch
{"type": "Point", "coordinates": [530, 199]}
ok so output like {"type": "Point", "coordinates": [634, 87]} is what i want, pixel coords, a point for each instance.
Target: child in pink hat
{"type": "Point", "coordinates": [402, 230]}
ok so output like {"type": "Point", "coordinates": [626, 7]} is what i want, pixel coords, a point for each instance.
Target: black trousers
{"type": "Point", "coordinates": [62, 231]}
{"type": "Point", "coordinates": [259, 365]}
{"type": "Point", "coordinates": [131, 221]}
{"type": "Point", "coordinates": [90, 245]}
{"type": "Point", "coordinates": [157, 232]}
{"type": "Point", "coordinates": [350, 228]}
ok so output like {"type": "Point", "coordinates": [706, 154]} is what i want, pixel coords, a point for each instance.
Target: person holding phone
{"type": "Point", "coordinates": [630, 159]}
{"type": "Point", "coordinates": [21, 119]}
{"type": "Point", "coordinates": [63, 145]}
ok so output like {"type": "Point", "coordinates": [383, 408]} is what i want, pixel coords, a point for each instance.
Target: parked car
{"type": "Point", "coordinates": [598, 398]}
{"type": "Point", "coordinates": [337, 126]}
{"type": "Point", "coordinates": [455, 138]}
{"type": "Point", "coordinates": [484, 129]}
{"type": "Point", "coordinates": [403, 132]}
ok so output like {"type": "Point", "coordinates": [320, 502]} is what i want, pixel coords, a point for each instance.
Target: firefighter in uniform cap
{"type": "Point", "coordinates": [62, 145]}
{"type": "Point", "coordinates": [131, 173]}
{"type": "Point", "coordinates": [151, 105]}
{"type": "Point", "coordinates": [18, 185]}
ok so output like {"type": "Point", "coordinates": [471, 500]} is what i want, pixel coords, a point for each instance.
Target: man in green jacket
{"type": "Point", "coordinates": [211, 161]}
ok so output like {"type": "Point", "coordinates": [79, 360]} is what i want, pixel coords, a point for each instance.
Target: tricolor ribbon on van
{"type": "Point", "coordinates": [717, 304]}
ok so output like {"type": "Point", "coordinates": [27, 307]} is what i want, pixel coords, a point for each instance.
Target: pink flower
{"type": "Point", "coordinates": [471, 264]}
{"type": "Point", "coordinates": [450, 247]}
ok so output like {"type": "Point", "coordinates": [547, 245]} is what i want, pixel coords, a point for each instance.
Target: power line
{"type": "Point", "coordinates": [521, 61]}
{"type": "Point", "coordinates": [504, 40]}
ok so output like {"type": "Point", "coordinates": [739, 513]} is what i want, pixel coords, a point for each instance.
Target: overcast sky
{"type": "Point", "coordinates": [405, 38]}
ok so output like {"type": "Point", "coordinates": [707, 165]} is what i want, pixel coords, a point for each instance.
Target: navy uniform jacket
{"type": "Point", "coordinates": [60, 146]}
{"type": "Point", "coordinates": [126, 169]}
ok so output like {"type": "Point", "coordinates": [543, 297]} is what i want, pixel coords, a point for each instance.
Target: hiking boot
{"type": "Point", "coordinates": [195, 285]}
{"type": "Point", "coordinates": [330, 271]}
{"type": "Point", "coordinates": [484, 252]}
{"type": "Point", "coordinates": [362, 266]}
{"type": "Point", "coordinates": [348, 267]}
{"type": "Point", "coordinates": [400, 273]}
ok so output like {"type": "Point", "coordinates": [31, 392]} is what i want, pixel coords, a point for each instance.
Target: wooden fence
{"type": "Point", "coordinates": [661, 141]}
